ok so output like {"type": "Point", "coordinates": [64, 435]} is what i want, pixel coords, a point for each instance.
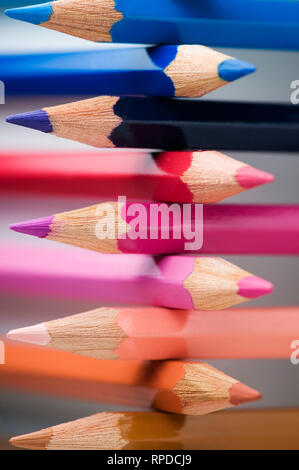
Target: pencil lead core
{"type": "Point", "coordinates": [232, 69]}
{"type": "Point", "coordinates": [38, 120]}
{"type": "Point", "coordinates": [35, 14]}
{"type": "Point", "coordinates": [253, 286]}
{"type": "Point", "coordinates": [36, 334]}
{"type": "Point", "coordinates": [38, 440]}
{"type": "Point", "coordinates": [36, 227]}
{"type": "Point", "coordinates": [240, 393]}
{"type": "Point", "coordinates": [249, 177]}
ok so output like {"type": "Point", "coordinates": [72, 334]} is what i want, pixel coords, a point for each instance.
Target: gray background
{"type": "Point", "coordinates": [277, 380]}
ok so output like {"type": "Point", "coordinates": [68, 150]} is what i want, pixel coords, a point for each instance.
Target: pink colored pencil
{"type": "Point", "coordinates": [169, 281]}
{"type": "Point", "coordinates": [227, 229]}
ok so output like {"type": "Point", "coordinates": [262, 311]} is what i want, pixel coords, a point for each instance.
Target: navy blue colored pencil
{"type": "Point", "coordinates": [170, 124]}
{"type": "Point", "coordinates": [161, 71]}
{"type": "Point", "coordinates": [272, 24]}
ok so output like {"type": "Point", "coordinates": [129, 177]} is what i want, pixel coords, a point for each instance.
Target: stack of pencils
{"type": "Point", "coordinates": [149, 350]}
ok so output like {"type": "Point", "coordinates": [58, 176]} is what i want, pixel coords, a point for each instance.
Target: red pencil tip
{"type": "Point", "coordinates": [240, 393]}
{"type": "Point", "coordinates": [249, 177]}
{"type": "Point", "coordinates": [37, 227]}
{"type": "Point", "coordinates": [253, 286]}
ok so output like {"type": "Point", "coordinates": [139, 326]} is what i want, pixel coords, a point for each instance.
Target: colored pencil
{"type": "Point", "coordinates": [270, 429]}
{"type": "Point", "coordinates": [170, 124]}
{"type": "Point", "coordinates": [153, 71]}
{"type": "Point", "coordinates": [157, 228]}
{"type": "Point", "coordinates": [158, 333]}
{"type": "Point", "coordinates": [193, 388]}
{"type": "Point", "coordinates": [169, 281]}
{"type": "Point", "coordinates": [239, 23]}
{"type": "Point", "coordinates": [202, 177]}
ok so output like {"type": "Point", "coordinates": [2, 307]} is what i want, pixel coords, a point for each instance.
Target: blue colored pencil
{"type": "Point", "coordinates": [161, 71]}
{"type": "Point", "coordinates": [271, 24]}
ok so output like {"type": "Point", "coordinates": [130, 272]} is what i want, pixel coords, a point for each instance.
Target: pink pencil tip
{"type": "Point", "coordinates": [253, 286]}
{"type": "Point", "coordinates": [36, 227]}
{"type": "Point", "coordinates": [36, 334]}
{"type": "Point", "coordinates": [240, 393]}
{"type": "Point", "coordinates": [249, 177]}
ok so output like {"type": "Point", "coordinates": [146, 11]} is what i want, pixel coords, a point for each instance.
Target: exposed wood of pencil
{"type": "Point", "coordinates": [109, 227]}
{"type": "Point", "coordinates": [201, 177]}
{"type": "Point", "coordinates": [166, 123]}
{"type": "Point", "coordinates": [183, 282]}
{"type": "Point", "coordinates": [99, 18]}
{"type": "Point", "coordinates": [176, 386]}
{"type": "Point", "coordinates": [269, 429]}
{"type": "Point", "coordinates": [157, 333]}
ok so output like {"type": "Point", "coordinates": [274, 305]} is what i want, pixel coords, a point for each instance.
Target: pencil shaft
{"type": "Point", "coordinates": [81, 274]}
{"type": "Point", "coordinates": [251, 229]}
{"type": "Point", "coordinates": [178, 125]}
{"type": "Point", "coordinates": [257, 24]}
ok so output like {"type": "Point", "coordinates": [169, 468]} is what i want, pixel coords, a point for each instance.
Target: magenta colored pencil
{"type": "Point", "coordinates": [227, 229]}
{"type": "Point", "coordinates": [169, 281]}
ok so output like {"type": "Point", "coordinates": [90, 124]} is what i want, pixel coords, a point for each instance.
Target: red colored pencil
{"type": "Point", "coordinates": [170, 176]}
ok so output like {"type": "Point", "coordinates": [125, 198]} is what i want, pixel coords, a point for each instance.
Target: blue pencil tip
{"type": "Point", "coordinates": [232, 69]}
{"type": "Point", "coordinates": [35, 14]}
{"type": "Point", "coordinates": [38, 120]}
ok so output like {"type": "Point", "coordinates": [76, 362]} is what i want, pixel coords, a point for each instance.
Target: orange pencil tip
{"type": "Point", "coordinates": [240, 394]}
{"type": "Point", "coordinates": [36, 440]}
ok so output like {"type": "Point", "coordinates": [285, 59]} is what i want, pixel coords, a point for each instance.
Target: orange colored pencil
{"type": "Point", "coordinates": [275, 429]}
{"type": "Point", "coordinates": [174, 386]}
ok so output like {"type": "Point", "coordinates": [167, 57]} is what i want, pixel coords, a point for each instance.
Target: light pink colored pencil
{"type": "Point", "coordinates": [168, 281]}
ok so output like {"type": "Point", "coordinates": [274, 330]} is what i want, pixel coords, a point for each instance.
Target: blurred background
{"type": "Point", "coordinates": [278, 380]}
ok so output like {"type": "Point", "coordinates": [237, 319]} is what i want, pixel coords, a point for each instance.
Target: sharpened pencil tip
{"type": "Point", "coordinates": [240, 394]}
{"type": "Point", "coordinates": [249, 177]}
{"type": "Point", "coordinates": [38, 440]}
{"type": "Point", "coordinates": [36, 334]}
{"type": "Point", "coordinates": [232, 69]}
{"type": "Point", "coordinates": [36, 227]}
{"type": "Point", "coordinates": [38, 120]}
{"type": "Point", "coordinates": [253, 286]}
{"type": "Point", "coordinates": [35, 14]}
